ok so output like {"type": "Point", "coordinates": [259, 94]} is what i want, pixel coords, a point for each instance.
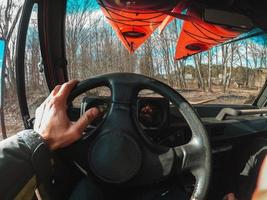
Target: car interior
{"type": "Point", "coordinates": [149, 134]}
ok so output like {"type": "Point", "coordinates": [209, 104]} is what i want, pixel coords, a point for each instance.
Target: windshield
{"type": "Point", "coordinates": [232, 73]}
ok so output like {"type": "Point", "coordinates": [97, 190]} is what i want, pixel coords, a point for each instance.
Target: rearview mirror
{"type": "Point", "coordinates": [2, 82]}
{"type": "Point", "coordinates": [228, 19]}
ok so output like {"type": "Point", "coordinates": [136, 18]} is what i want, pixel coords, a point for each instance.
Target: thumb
{"type": "Point", "coordinates": [86, 119]}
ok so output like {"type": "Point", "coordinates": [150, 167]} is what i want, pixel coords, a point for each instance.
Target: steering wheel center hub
{"type": "Point", "coordinates": [115, 157]}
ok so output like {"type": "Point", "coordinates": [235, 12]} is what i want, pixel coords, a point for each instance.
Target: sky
{"type": "Point", "coordinates": [2, 48]}
{"type": "Point", "coordinates": [79, 5]}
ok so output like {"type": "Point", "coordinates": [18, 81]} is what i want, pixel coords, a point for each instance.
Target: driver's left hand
{"type": "Point", "coordinates": [52, 122]}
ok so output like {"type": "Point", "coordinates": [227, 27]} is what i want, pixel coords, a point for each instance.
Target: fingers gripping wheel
{"type": "Point", "coordinates": [120, 153]}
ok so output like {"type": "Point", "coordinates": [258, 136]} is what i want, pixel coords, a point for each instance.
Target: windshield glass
{"type": "Point", "coordinates": [232, 73]}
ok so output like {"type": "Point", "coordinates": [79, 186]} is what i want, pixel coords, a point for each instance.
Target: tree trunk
{"type": "Point", "coordinates": [247, 69]}
{"type": "Point", "coordinates": [198, 60]}
{"type": "Point", "coordinates": [231, 66]}
{"type": "Point", "coordinates": [209, 71]}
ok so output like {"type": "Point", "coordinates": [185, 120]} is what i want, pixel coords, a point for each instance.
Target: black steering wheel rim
{"type": "Point", "coordinates": [195, 156]}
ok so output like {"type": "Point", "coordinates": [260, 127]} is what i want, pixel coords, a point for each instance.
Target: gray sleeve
{"type": "Point", "coordinates": [17, 164]}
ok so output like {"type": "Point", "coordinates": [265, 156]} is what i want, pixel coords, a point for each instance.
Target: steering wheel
{"type": "Point", "coordinates": [119, 153]}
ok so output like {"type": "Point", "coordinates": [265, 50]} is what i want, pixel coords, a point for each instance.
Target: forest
{"type": "Point", "coordinates": [93, 48]}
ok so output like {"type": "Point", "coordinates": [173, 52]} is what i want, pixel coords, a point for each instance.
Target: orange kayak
{"type": "Point", "coordinates": [133, 27]}
{"type": "Point", "coordinates": [135, 21]}
{"type": "Point", "coordinates": [197, 36]}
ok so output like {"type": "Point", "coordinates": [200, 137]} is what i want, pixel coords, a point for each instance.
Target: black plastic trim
{"type": "Point", "coordinates": [20, 65]}
{"type": "Point", "coordinates": [52, 41]}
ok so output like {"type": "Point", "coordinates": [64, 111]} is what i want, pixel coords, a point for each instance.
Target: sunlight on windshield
{"type": "Point", "coordinates": [232, 73]}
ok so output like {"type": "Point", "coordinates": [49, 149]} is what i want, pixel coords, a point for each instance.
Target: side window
{"type": "Point", "coordinates": [36, 87]}
{"type": "Point", "coordinates": [34, 79]}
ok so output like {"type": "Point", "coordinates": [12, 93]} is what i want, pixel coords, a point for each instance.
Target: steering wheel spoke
{"type": "Point", "coordinates": [190, 158]}
{"type": "Point", "coordinates": [190, 155]}
{"type": "Point", "coordinates": [123, 92]}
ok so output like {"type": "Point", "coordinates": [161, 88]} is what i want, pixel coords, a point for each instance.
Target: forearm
{"type": "Point", "coordinates": [17, 172]}
{"type": "Point", "coordinates": [15, 167]}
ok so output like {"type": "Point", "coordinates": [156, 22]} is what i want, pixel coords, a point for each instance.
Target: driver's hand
{"type": "Point", "coordinates": [52, 122]}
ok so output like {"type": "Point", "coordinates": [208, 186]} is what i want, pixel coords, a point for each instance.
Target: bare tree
{"type": "Point", "coordinates": [9, 16]}
{"type": "Point", "coordinates": [79, 22]}
{"type": "Point", "coordinates": [198, 62]}
{"type": "Point", "coordinates": [209, 70]}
